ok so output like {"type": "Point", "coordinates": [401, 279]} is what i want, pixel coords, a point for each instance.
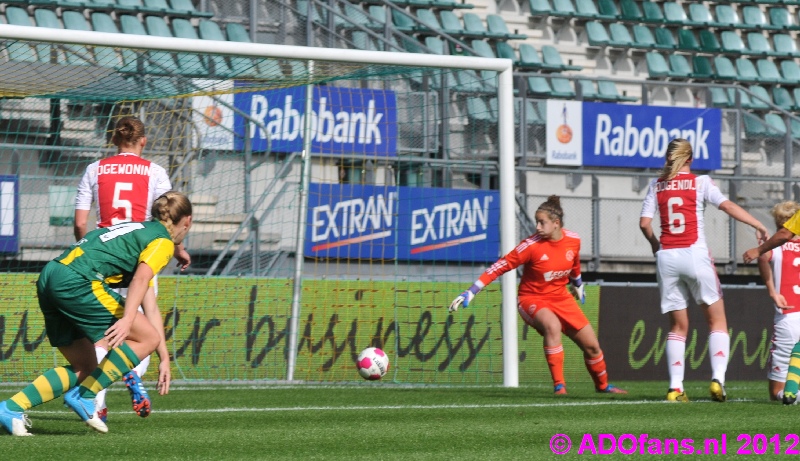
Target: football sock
{"type": "Point", "coordinates": [555, 360]}
{"type": "Point", "coordinates": [141, 369]}
{"type": "Point", "coordinates": [100, 400]}
{"type": "Point", "coordinates": [53, 383]}
{"type": "Point", "coordinates": [719, 348]}
{"type": "Point", "coordinates": [676, 360]}
{"type": "Point", "coordinates": [793, 377]}
{"type": "Point", "coordinates": [119, 361]}
{"type": "Point", "coordinates": [597, 368]}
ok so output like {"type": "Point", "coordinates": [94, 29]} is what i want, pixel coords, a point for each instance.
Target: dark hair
{"type": "Point", "coordinates": [128, 131]}
{"type": "Point", "coordinates": [170, 208]}
{"type": "Point", "coordinates": [553, 208]}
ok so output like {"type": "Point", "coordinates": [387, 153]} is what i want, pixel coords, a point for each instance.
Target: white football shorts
{"type": "Point", "coordinates": [684, 272]}
{"type": "Point", "coordinates": [785, 335]}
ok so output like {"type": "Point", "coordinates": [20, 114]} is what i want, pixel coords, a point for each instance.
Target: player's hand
{"type": "Point", "coordinates": [762, 234]}
{"type": "Point", "coordinates": [164, 377]}
{"type": "Point", "coordinates": [183, 257]}
{"type": "Point", "coordinates": [750, 255]}
{"type": "Point", "coordinates": [580, 294]}
{"type": "Point", "coordinates": [118, 332]}
{"type": "Point", "coordinates": [463, 299]}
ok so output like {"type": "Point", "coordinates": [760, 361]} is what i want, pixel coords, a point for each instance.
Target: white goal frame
{"type": "Point", "coordinates": [505, 98]}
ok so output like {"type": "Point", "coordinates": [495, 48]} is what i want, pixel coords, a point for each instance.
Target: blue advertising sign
{"type": "Point", "coordinates": [449, 224]}
{"type": "Point", "coordinates": [351, 221]}
{"type": "Point", "coordinates": [343, 120]}
{"type": "Point", "coordinates": [9, 214]}
{"type": "Point", "coordinates": [407, 223]}
{"type": "Point", "coordinates": [629, 136]}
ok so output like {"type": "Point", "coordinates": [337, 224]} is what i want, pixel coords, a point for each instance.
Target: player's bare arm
{"type": "Point", "coordinates": [645, 225]}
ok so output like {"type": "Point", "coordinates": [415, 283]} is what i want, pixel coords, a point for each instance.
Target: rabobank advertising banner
{"type": "Point", "coordinates": [9, 214]}
{"type": "Point", "coordinates": [629, 136]}
{"type": "Point", "coordinates": [407, 223]}
{"type": "Point", "coordinates": [343, 120]}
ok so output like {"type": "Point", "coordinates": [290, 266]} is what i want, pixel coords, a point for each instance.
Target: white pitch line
{"type": "Point", "coordinates": [406, 407]}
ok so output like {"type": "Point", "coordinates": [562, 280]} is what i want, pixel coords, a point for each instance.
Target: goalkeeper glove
{"type": "Point", "coordinates": [464, 298]}
{"type": "Point", "coordinates": [579, 289]}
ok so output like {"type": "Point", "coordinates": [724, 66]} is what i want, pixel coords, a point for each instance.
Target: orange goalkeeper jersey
{"type": "Point", "coordinates": [547, 265]}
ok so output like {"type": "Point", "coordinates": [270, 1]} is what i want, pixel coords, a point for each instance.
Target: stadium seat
{"type": "Point", "coordinates": [687, 41]}
{"type": "Point", "coordinates": [529, 58]}
{"type": "Point", "coordinates": [782, 98]}
{"type": "Point", "coordinates": [699, 15]}
{"type": "Point", "coordinates": [156, 62]}
{"type": "Point", "coordinates": [478, 111]}
{"type": "Point", "coordinates": [607, 89]}
{"type": "Point", "coordinates": [664, 39]}
{"type": "Point", "coordinates": [785, 45]}
{"type": "Point", "coordinates": [726, 15]}
{"type": "Point", "coordinates": [652, 13]}
{"type": "Point", "coordinates": [75, 54]}
{"type": "Point", "coordinates": [306, 6]}
{"type": "Point", "coordinates": [674, 14]}
{"type": "Point", "coordinates": [753, 17]}
{"type": "Point", "coordinates": [21, 51]}
{"type": "Point", "coordinates": [539, 86]}
{"type": "Point", "coordinates": [746, 71]}
{"type": "Point", "coordinates": [588, 89]}
{"type": "Point", "coordinates": [470, 82]}
{"type": "Point", "coordinates": [753, 125]}
{"type": "Point", "coordinates": [362, 41]}
{"type": "Point", "coordinates": [790, 71]}
{"type": "Point", "coordinates": [620, 37]}
{"type": "Point", "coordinates": [378, 14]}
{"type": "Point", "coordinates": [403, 22]}
{"type": "Point", "coordinates": [768, 72]}
{"type": "Point", "coordinates": [218, 66]}
{"type": "Point", "coordinates": [775, 124]}
{"type": "Point", "coordinates": [562, 88]}
{"type": "Point", "coordinates": [483, 49]}
{"type": "Point", "coordinates": [104, 56]}
{"type": "Point", "coordinates": [497, 26]}
{"type": "Point", "coordinates": [657, 66]}
{"type": "Point", "coordinates": [188, 63]}
{"type": "Point", "coordinates": [607, 9]}
{"type": "Point", "coordinates": [679, 66]}
{"type": "Point", "coordinates": [758, 45]}
{"type": "Point", "coordinates": [702, 69]}
{"type": "Point", "coordinates": [795, 127]}
{"type": "Point", "coordinates": [725, 69]}
{"type": "Point", "coordinates": [186, 5]}
{"type": "Point", "coordinates": [643, 37]}
{"type": "Point", "coordinates": [781, 18]}
{"type": "Point", "coordinates": [629, 11]}
{"type": "Point", "coordinates": [709, 42]}
{"type": "Point", "coordinates": [732, 43]}
{"type": "Point", "coordinates": [551, 60]}
{"type": "Point", "coordinates": [358, 16]}
{"type": "Point", "coordinates": [596, 34]}
{"type": "Point", "coordinates": [435, 45]}
{"type": "Point", "coordinates": [563, 8]}
{"type": "Point", "coordinates": [451, 25]}
{"type": "Point", "coordinates": [210, 30]}
{"type": "Point", "coordinates": [475, 27]}
{"type": "Point", "coordinates": [719, 97]}
{"type": "Point", "coordinates": [540, 7]}
{"type": "Point", "coordinates": [586, 9]}
{"type": "Point", "coordinates": [505, 51]}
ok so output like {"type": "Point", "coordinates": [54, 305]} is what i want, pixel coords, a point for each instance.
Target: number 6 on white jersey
{"type": "Point", "coordinates": [673, 216]}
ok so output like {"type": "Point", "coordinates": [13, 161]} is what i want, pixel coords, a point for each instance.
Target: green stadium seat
{"type": "Point", "coordinates": [240, 66]}
{"type": "Point", "coordinates": [362, 41]}
{"type": "Point", "coordinates": [188, 63]}
{"type": "Point", "coordinates": [506, 51]}
{"type": "Point", "coordinates": [607, 9]}
{"type": "Point", "coordinates": [760, 99]}
{"type": "Point", "coordinates": [551, 60]}
{"type": "Point", "coordinates": [529, 58]}
{"type": "Point", "coordinates": [790, 71]}
{"type": "Point", "coordinates": [746, 71]}
{"type": "Point", "coordinates": [620, 37]}
{"type": "Point", "coordinates": [378, 14]}
{"type": "Point", "coordinates": [47, 18]}
{"type": "Point", "coordinates": [21, 51]}
{"type": "Point", "coordinates": [596, 34]}
{"type": "Point", "coordinates": [719, 97]}
{"type": "Point", "coordinates": [758, 45]}
{"type": "Point", "coordinates": [306, 6]}
{"type": "Point", "coordinates": [782, 98]}
{"type": "Point", "coordinates": [768, 72]}
{"type": "Point", "coordinates": [776, 126]}
{"type": "Point", "coordinates": [732, 43]}
{"type": "Point", "coordinates": [563, 8]}
{"type": "Point", "coordinates": [540, 7]}
{"type": "Point", "coordinates": [470, 82]}
{"type": "Point", "coordinates": [588, 89]}
{"type": "Point", "coordinates": [781, 18]}
{"type": "Point", "coordinates": [679, 66]}
{"type": "Point", "coordinates": [359, 17]}
{"type": "Point", "coordinates": [218, 66]}
{"type": "Point", "coordinates": [497, 26]}
{"type": "Point", "coordinates": [586, 9]}
{"type": "Point", "coordinates": [427, 19]}
{"type": "Point", "coordinates": [753, 126]}
{"type": "Point", "coordinates": [726, 16]}
{"type": "Point", "coordinates": [187, 5]}
{"type": "Point", "coordinates": [687, 40]}
{"type": "Point", "coordinates": [237, 33]}
{"type": "Point", "coordinates": [451, 25]}
{"type": "Point", "coordinates": [630, 11]}
{"type": "Point", "coordinates": [478, 111]}
{"type": "Point", "coordinates": [483, 49]}
{"type": "Point", "coordinates": [699, 15]}
{"type": "Point", "coordinates": [539, 86]}
{"type": "Point", "coordinates": [795, 124]}
{"type": "Point", "coordinates": [643, 37]}
{"type": "Point", "coordinates": [657, 66]}
{"type": "Point", "coordinates": [156, 62]}
{"type": "Point", "coordinates": [435, 45]}
{"type": "Point", "coordinates": [674, 14]}
{"type": "Point", "coordinates": [474, 25]}
{"type": "Point", "coordinates": [652, 13]}
{"type": "Point", "coordinates": [702, 69]}
{"type": "Point", "coordinates": [562, 88]}
{"type": "Point", "coordinates": [607, 89]}
{"type": "Point", "coordinates": [754, 17]}
{"type": "Point", "coordinates": [664, 39]}
{"type": "Point", "coordinates": [785, 45]}
{"type": "Point", "coordinates": [709, 42]}
{"type": "Point", "coordinates": [411, 45]}
{"type": "Point", "coordinates": [725, 69]}
{"type": "Point", "coordinates": [403, 22]}
{"type": "Point", "coordinates": [75, 20]}
{"type": "Point", "coordinates": [450, 5]}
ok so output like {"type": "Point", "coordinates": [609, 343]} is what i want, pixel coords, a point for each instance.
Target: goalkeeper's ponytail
{"type": "Point", "coordinates": [553, 209]}
{"type": "Point", "coordinates": [679, 153]}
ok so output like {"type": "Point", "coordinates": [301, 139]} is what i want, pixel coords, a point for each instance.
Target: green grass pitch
{"type": "Point", "coordinates": [385, 421]}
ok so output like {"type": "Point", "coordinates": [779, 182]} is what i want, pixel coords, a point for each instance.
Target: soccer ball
{"type": "Point", "coordinates": [372, 363]}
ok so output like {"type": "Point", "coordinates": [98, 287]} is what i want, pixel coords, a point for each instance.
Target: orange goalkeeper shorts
{"type": "Point", "coordinates": [565, 308]}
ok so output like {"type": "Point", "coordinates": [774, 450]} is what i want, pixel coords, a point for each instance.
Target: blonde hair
{"type": "Point", "coordinates": [679, 153]}
{"type": "Point", "coordinates": [553, 209]}
{"type": "Point", "coordinates": [783, 211]}
{"type": "Point", "coordinates": [170, 208]}
{"type": "Point", "coordinates": [128, 131]}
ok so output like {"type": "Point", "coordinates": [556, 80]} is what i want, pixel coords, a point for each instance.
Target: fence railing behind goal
{"type": "Point", "coordinates": [400, 205]}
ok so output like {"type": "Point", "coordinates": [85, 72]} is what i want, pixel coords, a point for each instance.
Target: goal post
{"type": "Point", "coordinates": [71, 70]}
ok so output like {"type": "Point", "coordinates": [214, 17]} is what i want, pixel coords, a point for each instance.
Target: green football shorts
{"type": "Point", "coordinates": [75, 307]}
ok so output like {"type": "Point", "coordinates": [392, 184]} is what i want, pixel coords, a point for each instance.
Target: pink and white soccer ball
{"type": "Point", "coordinates": [372, 363]}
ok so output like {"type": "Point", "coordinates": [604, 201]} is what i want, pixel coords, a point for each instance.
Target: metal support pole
{"type": "Point", "coordinates": [508, 238]}
{"type": "Point", "coordinates": [254, 21]}
{"type": "Point", "coordinates": [305, 179]}
{"type": "Point", "coordinates": [789, 158]}
{"type": "Point", "coordinates": [595, 265]}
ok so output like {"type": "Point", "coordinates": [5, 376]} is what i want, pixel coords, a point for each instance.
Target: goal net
{"type": "Point", "coordinates": [396, 210]}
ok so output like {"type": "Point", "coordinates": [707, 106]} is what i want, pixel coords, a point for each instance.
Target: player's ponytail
{"type": "Point", "coordinates": [679, 152]}
{"type": "Point", "coordinates": [553, 209]}
{"type": "Point", "coordinates": [170, 208]}
{"type": "Point", "coordinates": [783, 211]}
{"type": "Point", "coordinates": [128, 131]}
